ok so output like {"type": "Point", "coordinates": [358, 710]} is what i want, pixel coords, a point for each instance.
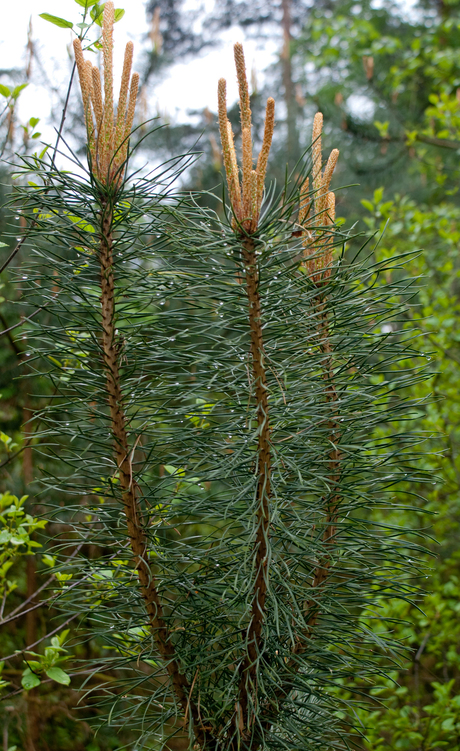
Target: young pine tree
{"type": "Point", "coordinates": [217, 387]}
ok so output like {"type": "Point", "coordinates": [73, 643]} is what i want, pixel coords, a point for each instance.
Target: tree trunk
{"type": "Point", "coordinates": [292, 145]}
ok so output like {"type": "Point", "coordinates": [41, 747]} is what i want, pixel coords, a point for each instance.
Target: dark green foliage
{"type": "Point", "coordinates": [407, 150]}
{"type": "Point", "coordinates": [182, 341]}
{"type": "Point", "coordinates": [374, 72]}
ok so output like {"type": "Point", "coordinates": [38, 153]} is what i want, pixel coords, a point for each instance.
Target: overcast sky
{"type": "Point", "coordinates": [189, 85]}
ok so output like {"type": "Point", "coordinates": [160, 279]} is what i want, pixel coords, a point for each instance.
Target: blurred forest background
{"type": "Point", "coordinates": [387, 78]}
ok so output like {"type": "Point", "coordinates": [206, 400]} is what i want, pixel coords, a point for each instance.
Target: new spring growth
{"type": "Point", "coordinates": [245, 198]}
{"type": "Point", "coordinates": [317, 210]}
{"type": "Point", "coordinates": [107, 135]}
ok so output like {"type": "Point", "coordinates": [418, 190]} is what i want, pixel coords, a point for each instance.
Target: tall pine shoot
{"type": "Point", "coordinates": [217, 386]}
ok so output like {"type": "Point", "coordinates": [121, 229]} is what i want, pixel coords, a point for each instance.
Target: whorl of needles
{"type": "Point", "coordinates": [246, 203]}
{"type": "Point", "coordinates": [107, 136]}
{"type": "Point", "coordinates": [317, 210]}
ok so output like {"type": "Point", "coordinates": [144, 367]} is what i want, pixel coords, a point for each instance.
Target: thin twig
{"type": "Point", "coordinates": [29, 599]}
{"type": "Point", "coordinates": [64, 114]}
{"type": "Point", "coordinates": [18, 247]}
{"type": "Point", "coordinates": [24, 612]}
{"type": "Point", "coordinates": [422, 646]}
{"type": "Point", "coordinates": [14, 345]}
{"type": "Point", "coordinates": [47, 636]}
{"type": "Point", "coordinates": [58, 138]}
{"type": "Point", "coordinates": [3, 602]}
{"type": "Point", "coordinates": [13, 456]}
{"type": "Point", "coordinates": [23, 320]}
{"type": "Point", "coordinates": [48, 581]}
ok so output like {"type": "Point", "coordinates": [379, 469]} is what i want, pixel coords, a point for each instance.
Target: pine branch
{"type": "Point", "coordinates": [332, 502]}
{"type": "Point", "coordinates": [248, 682]}
{"type": "Point", "coordinates": [136, 533]}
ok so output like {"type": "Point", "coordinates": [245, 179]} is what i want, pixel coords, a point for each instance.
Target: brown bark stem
{"type": "Point", "coordinates": [263, 469]}
{"type": "Point", "coordinates": [135, 529]}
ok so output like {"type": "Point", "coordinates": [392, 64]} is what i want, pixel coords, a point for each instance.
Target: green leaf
{"type": "Point", "coordinates": [174, 470]}
{"type": "Point", "coordinates": [119, 13]}
{"type": "Point", "coordinates": [378, 195]}
{"type": "Point", "coordinates": [61, 22]}
{"type": "Point", "coordinates": [86, 3]}
{"type": "Point", "coordinates": [16, 540]}
{"type": "Point", "coordinates": [96, 13]}
{"type": "Point", "coordinates": [34, 121]}
{"type": "Point", "coordinates": [4, 90]}
{"type": "Point", "coordinates": [29, 680]}
{"type": "Point", "coordinates": [58, 675]}
{"type": "Point", "coordinates": [48, 560]}
{"type": "Point", "coordinates": [17, 90]}
{"type": "Point", "coordinates": [34, 665]}
{"type": "Point", "coordinates": [3, 245]}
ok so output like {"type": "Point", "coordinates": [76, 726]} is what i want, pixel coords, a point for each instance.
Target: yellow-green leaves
{"type": "Point", "coordinates": [86, 3]}
{"type": "Point", "coordinates": [29, 679]}
{"type": "Point", "coordinates": [46, 664]}
{"type": "Point", "coordinates": [6, 92]}
{"type": "Point", "coordinates": [16, 528]}
{"type": "Point", "coordinates": [61, 22]}
{"type": "Point", "coordinates": [7, 442]}
{"type": "Point", "coordinates": [382, 128]}
{"type": "Point", "coordinates": [58, 675]}
{"type": "Point", "coordinates": [97, 12]}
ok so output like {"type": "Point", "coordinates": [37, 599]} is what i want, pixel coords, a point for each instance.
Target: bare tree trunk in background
{"type": "Point", "coordinates": [289, 88]}
{"type": "Point", "coordinates": [27, 462]}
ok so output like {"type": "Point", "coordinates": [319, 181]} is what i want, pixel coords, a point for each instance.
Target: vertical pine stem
{"type": "Point", "coordinates": [263, 468]}
{"type": "Point", "coordinates": [332, 502]}
{"type": "Point", "coordinates": [334, 457]}
{"type": "Point", "coordinates": [128, 486]}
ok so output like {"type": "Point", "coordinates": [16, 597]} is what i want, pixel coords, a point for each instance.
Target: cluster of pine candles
{"type": "Point", "coordinates": [107, 135]}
